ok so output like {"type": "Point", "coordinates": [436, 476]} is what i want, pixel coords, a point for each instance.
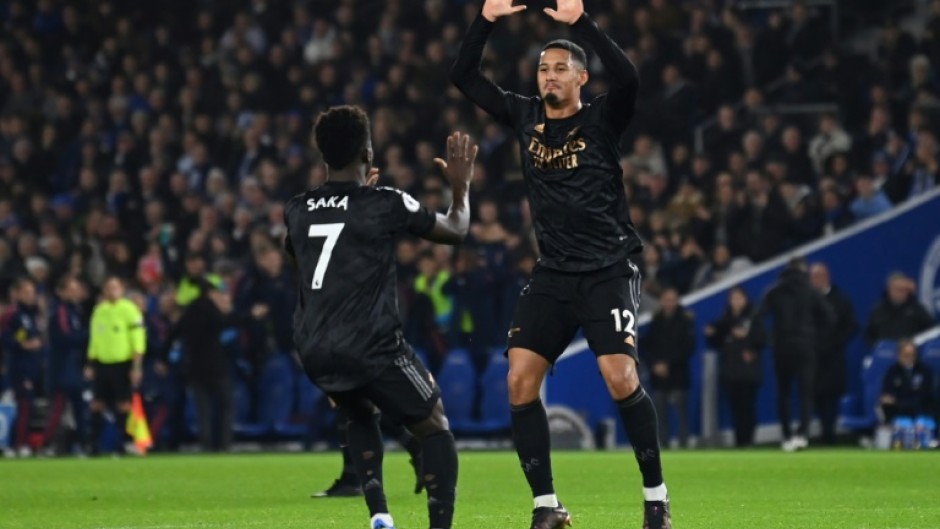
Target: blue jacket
{"type": "Point", "coordinates": [68, 344]}
{"type": "Point", "coordinates": [20, 325]}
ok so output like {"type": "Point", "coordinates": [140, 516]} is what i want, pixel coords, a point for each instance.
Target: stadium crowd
{"type": "Point", "coordinates": [158, 142]}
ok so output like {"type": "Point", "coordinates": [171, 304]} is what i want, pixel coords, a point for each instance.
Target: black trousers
{"type": "Point", "coordinates": [215, 411]}
{"type": "Point", "coordinates": [827, 408]}
{"type": "Point", "coordinates": [801, 370]}
{"type": "Point", "coordinates": [743, 398]}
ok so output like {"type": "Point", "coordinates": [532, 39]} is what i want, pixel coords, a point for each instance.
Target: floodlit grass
{"type": "Point", "coordinates": [825, 489]}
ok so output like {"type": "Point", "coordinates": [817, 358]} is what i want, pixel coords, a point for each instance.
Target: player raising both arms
{"type": "Point", "coordinates": [347, 330]}
{"type": "Point", "coordinates": [584, 278]}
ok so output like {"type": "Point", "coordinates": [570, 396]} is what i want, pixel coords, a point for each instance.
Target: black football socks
{"type": "Point", "coordinates": [639, 419]}
{"type": "Point", "coordinates": [531, 436]}
{"type": "Point", "coordinates": [440, 477]}
{"type": "Point", "coordinates": [367, 451]}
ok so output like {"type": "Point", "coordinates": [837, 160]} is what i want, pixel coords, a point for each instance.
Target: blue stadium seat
{"type": "Point", "coordinates": [244, 426]}
{"type": "Point", "coordinates": [308, 395]}
{"type": "Point", "coordinates": [495, 405]}
{"type": "Point", "coordinates": [930, 355]}
{"type": "Point", "coordinates": [458, 390]}
{"type": "Point", "coordinates": [276, 400]}
{"type": "Point", "coordinates": [305, 405]}
{"type": "Point", "coordinates": [277, 392]}
{"type": "Point", "coordinates": [874, 367]}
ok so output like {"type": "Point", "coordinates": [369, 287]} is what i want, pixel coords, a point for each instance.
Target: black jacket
{"type": "Point", "coordinates": [799, 315]}
{"type": "Point", "coordinates": [671, 339]}
{"type": "Point", "coordinates": [832, 344]}
{"type": "Point", "coordinates": [199, 330]}
{"type": "Point", "coordinates": [732, 368]}
{"type": "Point", "coordinates": [893, 322]}
{"type": "Point", "coordinates": [911, 388]}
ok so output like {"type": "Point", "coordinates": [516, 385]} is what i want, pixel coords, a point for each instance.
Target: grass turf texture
{"type": "Point", "coordinates": [826, 489]}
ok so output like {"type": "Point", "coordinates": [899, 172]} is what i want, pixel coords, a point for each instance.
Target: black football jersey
{"type": "Point", "coordinates": [343, 238]}
{"type": "Point", "coordinates": [571, 166]}
{"type": "Point", "coordinates": [572, 171]}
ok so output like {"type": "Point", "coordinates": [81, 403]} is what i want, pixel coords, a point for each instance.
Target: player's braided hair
{"type": "Point", "coordinates": [341, 134]}
{"type": "Point", "coordinates": [577, 52]}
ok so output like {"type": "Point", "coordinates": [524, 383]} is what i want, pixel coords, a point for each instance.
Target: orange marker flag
{"type": "Point", "coordinates": [137, 426]}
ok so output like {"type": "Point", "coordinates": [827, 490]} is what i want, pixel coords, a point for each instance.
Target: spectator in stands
{"type": "Point", "coordinates": [669, 344]}
{"type": "Point", "coordinates": [275, 287]}
{"type": "Point", "coordinates": [798, 163]}
{"type": "Point", "coordinates": [835, 215]}
{"type": "Point", "coordinates": [762, 224]}
{"type": "Point", "coordinates": [432, 277]}
{"type": "Point", "coordinates": [925, 174]}
{"type": "Point", "coordinates": [738, 339]}
{"type": "Point", "coordinates": [721, 266]}
{"type": "Point", "coordinates": [189, 286]}
{"type": "Point", "coordinates": [870, 201]}
{"type": "Point", "coordinates": [830, 359]}
{"type": "Point", "coordinates": [899, 314]}
{"type": "Point", "coordinates": [475, 326]}
{"type": "Point", "coordinates": [806, 36]}
{"type": "Point", "coordinates": [800, 315]}
{"type": "Point", "coordinates": [907, 387]}
{"type": "Point", "coordinates": [830, 139]}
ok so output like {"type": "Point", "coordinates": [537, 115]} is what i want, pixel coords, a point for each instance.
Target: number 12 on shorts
{"type": "Point", "coordinates": [624, 316]}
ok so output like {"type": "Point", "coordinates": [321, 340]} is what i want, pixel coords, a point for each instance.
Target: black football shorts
{"type": "Point", "coordinates": [112, 384]}
{"type": "Point", "coordinates": [404, 391]}
{"type": "Point", "coordinates": [555, 304]}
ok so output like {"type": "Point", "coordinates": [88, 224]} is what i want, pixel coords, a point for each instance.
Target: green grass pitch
{"type": "Point", "coordinates": [825, 489]}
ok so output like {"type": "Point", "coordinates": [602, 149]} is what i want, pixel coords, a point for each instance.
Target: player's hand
{"type": "Point", "coordinates": [493, 9]}
{"type": "Point", "coordinates": [568, 11]}
{"type": "Point", "coordinates": [373, 177]}
{"type": "Point", "coordinates": [461, 155]}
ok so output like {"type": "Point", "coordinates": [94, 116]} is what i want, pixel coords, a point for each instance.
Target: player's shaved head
{"type": "Point", "coordinates": [343, 137]}
{"type": "Point", "coordinates": [578, 56]}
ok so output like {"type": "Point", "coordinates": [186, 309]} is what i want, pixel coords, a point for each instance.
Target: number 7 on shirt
{"type": "Point", "coordinates": [331, 232]}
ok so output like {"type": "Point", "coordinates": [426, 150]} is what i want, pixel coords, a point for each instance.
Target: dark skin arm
{"type": "Point", "coordinates": [452, 227]}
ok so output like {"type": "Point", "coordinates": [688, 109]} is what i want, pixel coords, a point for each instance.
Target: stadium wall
{"type": "Point", "coordinates": [906, 239]}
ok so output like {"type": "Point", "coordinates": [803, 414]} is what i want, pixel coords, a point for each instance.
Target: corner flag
{"type": "Point", "coordinates": [137, 425]}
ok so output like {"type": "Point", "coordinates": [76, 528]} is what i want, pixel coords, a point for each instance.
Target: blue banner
{"type": "Point", "coordinates": [906, 239]}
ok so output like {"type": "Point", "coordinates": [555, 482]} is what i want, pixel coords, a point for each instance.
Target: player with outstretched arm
{"type": "Point", "coordinates": [584, 277]}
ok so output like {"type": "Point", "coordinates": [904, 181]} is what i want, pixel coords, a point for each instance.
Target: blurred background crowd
{"type": "Point", "coordinates": [158, 142]}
